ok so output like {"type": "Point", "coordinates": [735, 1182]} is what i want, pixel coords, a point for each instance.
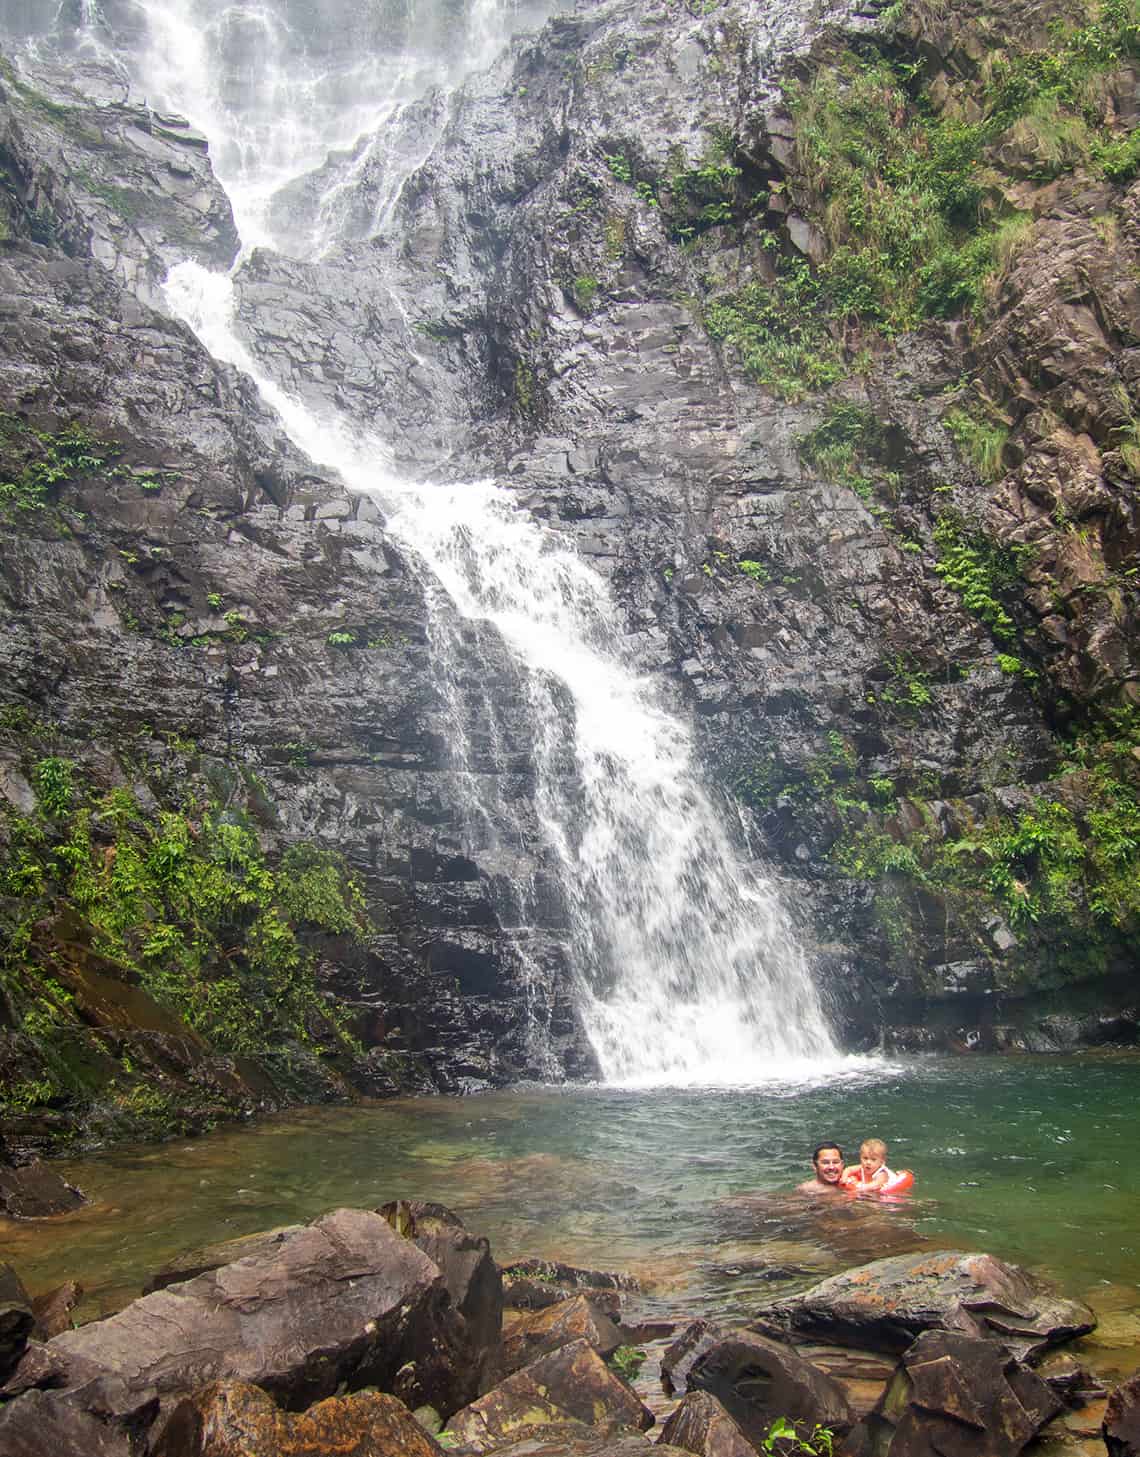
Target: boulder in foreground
{"type": "Point", "coordinates": [1122, 1419]}
{"type": "Point", "coordinates": [886, 1305]}
{"type": "Point", "coordinates": [537, 1334]}
{"type": "Point", "coordinates": [570, 1383]}
{"type": "Point", "coordinates": [758, 1381]}
{"type": "Point", "coordinates": [701, 1425]}
{"type": "Point", "coordinates": [233, 1419]}
{"type": "Point", "coordinates": [341, 1301]}
{"type": "Point", "coordinates": [959, 1396]}
{"type": "Point", "coordinates": [472, 1278]}
{"type": "Point", "coordinates": [16, 1319]}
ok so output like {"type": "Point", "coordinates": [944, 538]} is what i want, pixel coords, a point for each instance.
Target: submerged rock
{"type": "Point", "coordinates": [233, 1419]}
{"type": "Point", "coordinates": [884, 1306]}
{"type": "Point", "coordinates": [35, 1191]}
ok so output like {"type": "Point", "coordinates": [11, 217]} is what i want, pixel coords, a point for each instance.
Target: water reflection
{"type": "Point", "coordinates": [690, 1190]}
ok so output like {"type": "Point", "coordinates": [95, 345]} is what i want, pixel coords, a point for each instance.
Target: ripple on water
{"type": "Point", "coordinates": [688, 1189]}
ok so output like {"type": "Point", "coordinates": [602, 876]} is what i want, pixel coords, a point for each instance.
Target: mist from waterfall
{"type": "Point", "coordinates": [688, 969]}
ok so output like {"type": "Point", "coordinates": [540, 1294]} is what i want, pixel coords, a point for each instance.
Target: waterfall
{"type": "Point", "coordinates": [688, 970]}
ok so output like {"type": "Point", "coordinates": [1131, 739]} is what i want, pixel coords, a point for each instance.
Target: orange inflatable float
{"type": "Point", "coordinates": [900, 1183]}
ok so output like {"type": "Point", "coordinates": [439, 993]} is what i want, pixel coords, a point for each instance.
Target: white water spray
{"type": "Point", "coordinates": [687, 966]}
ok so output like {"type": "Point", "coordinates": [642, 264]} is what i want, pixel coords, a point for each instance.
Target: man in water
{"type": "Point", "coordinates": [827, 1161]}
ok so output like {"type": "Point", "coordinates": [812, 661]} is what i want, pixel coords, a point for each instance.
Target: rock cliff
{"type": "Point", "coordinates": [816, 331]}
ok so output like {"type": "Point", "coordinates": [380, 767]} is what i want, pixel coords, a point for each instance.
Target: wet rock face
{"type": "Point", "coordinates": [531, 313]}
{"type": "Point", "coordinates": [556, 329]}
{"type": "Point", "coordinates": [116, 182]}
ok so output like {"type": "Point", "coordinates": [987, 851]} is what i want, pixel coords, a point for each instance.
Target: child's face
{"type": "Point", "coordinates": [869, 1161]}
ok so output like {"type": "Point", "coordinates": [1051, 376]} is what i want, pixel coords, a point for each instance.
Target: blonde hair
{"type": "Point", "coordinates": [874, 1145]}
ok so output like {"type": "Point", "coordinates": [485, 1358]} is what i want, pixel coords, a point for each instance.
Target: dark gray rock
{"type": "Point", "coordinates": [16, 1320]}
{"type": "Point", "coordinates": [884, 1306]}
{"type": "Point", "coordinates": [341, 1300]}
{"type": "Point", "coordinates": [572, 1383]}
{"type": "Point", "coordinates": [470, 1274]}
{"type": "Point", "coordinates": [701, 1425]}
{"type": "Point", "coordinates": [34, 1191]}
{"type": "Point", "coordinates": [757, 1381]}
{"type": "Point", "coordinates": [1121, 1427]}
{"type": "Point", "coordinates": [959, 1396]}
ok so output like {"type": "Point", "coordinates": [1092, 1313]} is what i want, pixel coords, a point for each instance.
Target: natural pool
{"type": "Point", "coordinates": [1031, 1159]}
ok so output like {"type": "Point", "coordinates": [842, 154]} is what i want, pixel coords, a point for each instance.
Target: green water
{"type": "Point", "coordinates": [1032, 1159]}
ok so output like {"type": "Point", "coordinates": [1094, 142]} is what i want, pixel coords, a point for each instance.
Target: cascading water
{"type": "Point", "coordinates": [687, 966]}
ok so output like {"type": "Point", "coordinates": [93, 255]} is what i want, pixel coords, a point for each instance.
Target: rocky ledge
{"type": "Point", "coordinates": [393, 1333]}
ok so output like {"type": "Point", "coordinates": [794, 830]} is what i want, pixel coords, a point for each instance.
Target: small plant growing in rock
{"type": "Point", "coordinates": [341, 639]}
{"type": "Point", "coordinates": [627, 1361]}
{"type": "Point", "coordinates": [784, 1439]}
{"type": "Point", "coordinates": [214, 599]}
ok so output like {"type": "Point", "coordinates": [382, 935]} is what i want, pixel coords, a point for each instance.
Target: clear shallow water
{"type": "Point", "coordinates": [1032, 1160]}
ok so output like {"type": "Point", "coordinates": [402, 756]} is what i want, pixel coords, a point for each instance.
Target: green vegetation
{"type": "Point", "coordinates": [627, 1361]}
{"type": "Point", "coordinates": [781, 332]}
{"type": "Point", "coordinates": [982, 440]}
{"type": "Point", "coordinates": [902, 197]}
{"type": "Point", "coordinates": [1066, 863]}
{"type": "Point", "coordinates": [786, 1439]}
{"type": "Point", "coordinates": [584, 290]}
{"type": "Point", "coordinates": [179, 904]}
{"type": "Point", "coordinates": [37, 463]}
{"type": "Point", "coordinates": [755, 571]}
{"type": "Point", "coordinates": [979, 570]}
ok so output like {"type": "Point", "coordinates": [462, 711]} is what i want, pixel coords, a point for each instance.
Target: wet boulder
{"type": "Point", "coordinates": [757, 1380]}
{"type": "Point", "coordinates": [233, 1419]}
{"type": "Point", "coordinates": [698, 1337]}
{"type": "Point", "coordinates": [16, 1319]}
{"type": "Point", "coordinates": [212, 1257]}
{"type": "Point", "coordinates": [1121, 1427]}
{"type": "Point", "coordinates": [340, 1300]}
{"type": "Point", "coordinates": [470, 1274]}
{"type": "Point", "coordinates": [960, 1396]}
{"type": "Point", "coordinates": [701, 1425]}
{"type": "Point", "coordinates": [543, 1331]}
{"type": "Point", "coordinates": [571, 1384]}
{"type": "Point", "coordinates": [560, 1278]}
{"type": "Point", "coordinates": [884, 1306]}
{"type": "Point", "coordinates": [52, 1310]}
{"type": "Point", "coordinates": [46, 1424]}
{"type": "Point", "coordinates": [35, 1191]}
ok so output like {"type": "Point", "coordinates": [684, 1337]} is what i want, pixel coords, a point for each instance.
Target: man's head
{"type": "Point", "coordinates": [828, 1161]}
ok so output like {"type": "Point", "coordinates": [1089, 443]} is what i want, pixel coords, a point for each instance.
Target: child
{"type": "Point", "coordinates": [872, 1172]}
